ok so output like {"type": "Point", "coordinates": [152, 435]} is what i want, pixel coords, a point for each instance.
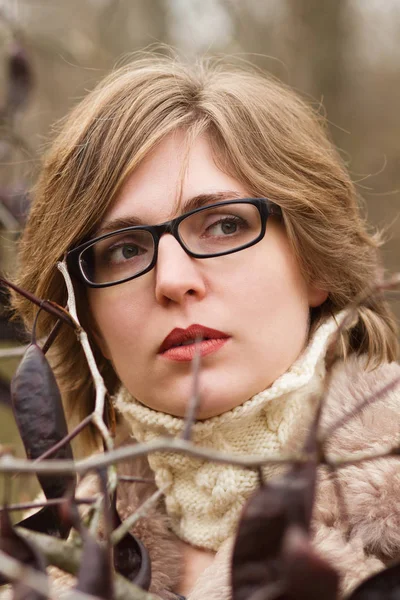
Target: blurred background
{"type": "Point", "coordinates": [342, 55]}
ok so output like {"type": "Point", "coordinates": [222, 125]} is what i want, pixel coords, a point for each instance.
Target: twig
{"type": "Point", "coordinates": [65, 439]}
{"type": "Point", "coordinates": [106, 505]}
{"type": "Point", "coordinates": [16, 571]}
{"type": "Point", "coordinates": [358, 457]}
{"type": "Point", "coordinates": [13, 352]}
{"type": "Point", "coordinates": [51, 502]}
{"type": "Point", "coordinates": [47, 305]}
{"type": "Point", "coordinates": [376, 288]}
{"type": "Point", "coordinates": [375, 397]}
{"type": "Point", "coordinates": [95, 517]}
{"type": "Point", "coordinates": [130, 521]}
{"type": "Point", "coordinates": [133, 479]}
{"type": "Point", "coordinates": [97, 415]}
{"type": "Point", "coordinates": [194, 400]}
{"type": "Point", "coordinates": [342, 504]}
{"type": "Point", "coordinates": [20, 350]}
{"type": "Point", "coordinates": [52, 336]}
{"type": "Point", "coordinates": [68, 557]}
{"type": "Point", "coordinates": [8, 220]}
{"type": "Point", "coordinates": [10, 464]}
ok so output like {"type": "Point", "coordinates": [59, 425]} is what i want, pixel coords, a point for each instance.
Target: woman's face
{"type": "Point", "coordinates": [256, 297]}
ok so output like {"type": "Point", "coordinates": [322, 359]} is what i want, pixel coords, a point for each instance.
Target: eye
{"type": "Point", "coordinates": [226, 226]}
{"type": "Point", "coordinates": [123, 251]}
{"type": "Point", "coordinates": [128, 250]}
{"type": "Point", "coordinates": [229, 226]}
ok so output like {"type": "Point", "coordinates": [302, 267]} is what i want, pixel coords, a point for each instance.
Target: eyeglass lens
{"type": "Point", "coordinates": [215, 230]}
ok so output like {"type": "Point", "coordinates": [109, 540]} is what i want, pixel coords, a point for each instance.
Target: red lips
{"type": "Point", "coordinates": [178, 336]}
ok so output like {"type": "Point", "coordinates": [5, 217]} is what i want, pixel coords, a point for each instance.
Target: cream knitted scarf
{"type": "Point", "coordinates": [204, 500]}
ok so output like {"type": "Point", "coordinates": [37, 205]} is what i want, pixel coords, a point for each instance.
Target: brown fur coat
{"type": "Point", "coordinates": [363, 543]}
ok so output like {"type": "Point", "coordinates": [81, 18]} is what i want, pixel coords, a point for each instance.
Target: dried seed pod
{"type": "Point", "coordinates": [385, 585]}
{"type": "Point", "coordinates": [47, 520]}
{"type": "Point", "coordinates": [307, 575]}
{"type": "Point", "coordinates": [257, 563]}
{"type": "Point", "coordinates": [131, 558]}
{"type": "Point", "coordinates": [40, 416]}
{"type": "Point", "coordinates": [25, 552]}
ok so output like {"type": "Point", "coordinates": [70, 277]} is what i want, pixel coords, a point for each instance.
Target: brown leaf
{"type": "Point", "coordinates": [47, 520]}
{"type": "Point", "coordinates": [257, 562]}
{"type": "Point", "coordinates": [385, 585]}
{"type": "Point", "coordinates": [307, 575]}
{"type": "Point", "coordinates": [40, 415]}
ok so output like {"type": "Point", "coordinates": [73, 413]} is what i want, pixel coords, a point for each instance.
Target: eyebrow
{"type": "Point", "coordinates": [189, 205]}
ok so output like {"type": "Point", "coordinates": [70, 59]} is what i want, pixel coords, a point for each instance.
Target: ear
{"type": "Point", "coordinates": [316, 296]}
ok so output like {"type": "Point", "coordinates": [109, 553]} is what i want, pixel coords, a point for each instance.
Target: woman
{"type": "Point", "coordinates": [207, 202]}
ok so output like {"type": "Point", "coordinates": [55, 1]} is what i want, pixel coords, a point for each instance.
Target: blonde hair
{"type": "Point", "coordinates": [261, 133]}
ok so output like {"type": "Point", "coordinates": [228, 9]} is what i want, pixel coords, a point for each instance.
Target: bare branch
{"type": "Point", "coordinates": [18, 351]}
{"type": "Point", "coordinates": [8, 220]}
{"type": "Point", "coordinates": [47, 305]}
{"type": "Point", "coordinates": [12, 352]}
{"type": "Point", "coordinates": [194, 401]}
{"type": "Point", "coordinates": [129, 522]}
{"type": "Point", "coordinates": [51, 502]}
{"type": "Point", "coordinates": [97, 416]}
{"type": "Point", "coordinates": [133, 479]}
{"type": "Point", "coordinates": [9, 464]}
{"type": "Point", "coordinates": [96, 514]}
{"type": "Point", "coordinates": [358, 457]}
{"type": "Point", "coordinates": [52, 336]}
{"type": "Point", "coordinates": [375, 397]}
{"type": "Point", "coordinates": [66, 439]}
{"type": "Point", "coordinates": [340, 497]}
{"type": "Point", "coordinates": [68, 557]}
{"type": "Point", "coordinates": [16, 571]}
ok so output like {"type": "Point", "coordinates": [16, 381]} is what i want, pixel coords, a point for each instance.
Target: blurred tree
{"type": "Point", "coordinates": [317, 47]}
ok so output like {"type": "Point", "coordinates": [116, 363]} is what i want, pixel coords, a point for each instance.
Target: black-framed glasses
{"type": "Point", "coordinates": [206, 232]}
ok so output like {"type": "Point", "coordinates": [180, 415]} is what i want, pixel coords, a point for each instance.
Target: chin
{"type": "Point", "coordinates": [213, 409]}
{"type": "Point", "coordinates": [213, 401]}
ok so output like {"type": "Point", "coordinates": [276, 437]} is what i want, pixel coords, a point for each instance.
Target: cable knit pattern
{"type": "Point", "coordinates": [204, 500]}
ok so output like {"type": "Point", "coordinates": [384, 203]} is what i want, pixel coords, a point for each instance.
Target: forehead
{"type": "Point", "coordinates": [168, 178]}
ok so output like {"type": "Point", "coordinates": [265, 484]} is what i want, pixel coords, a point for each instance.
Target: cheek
{"type": "Point", "coordinates": [118, 320]}
{"type": "Point", "coordinates": [274, 280]}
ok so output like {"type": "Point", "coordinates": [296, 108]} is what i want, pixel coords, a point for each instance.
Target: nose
{"type": "Point", "coordinates": [178, 275]}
